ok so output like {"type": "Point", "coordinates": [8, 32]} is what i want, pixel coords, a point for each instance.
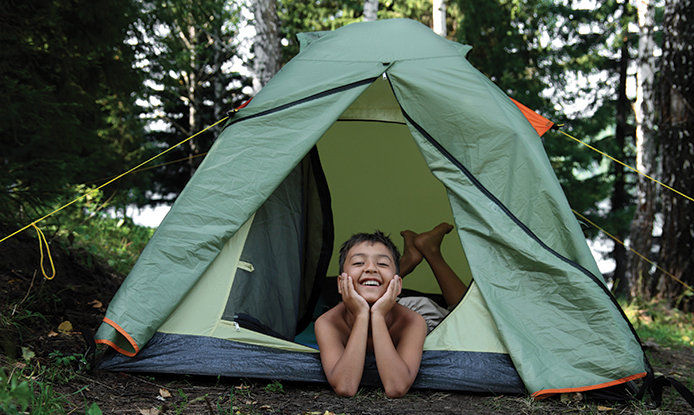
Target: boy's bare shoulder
{"type": "Point", "coordinates": [333, 319]}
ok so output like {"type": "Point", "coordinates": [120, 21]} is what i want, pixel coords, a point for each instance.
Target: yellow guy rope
{"type": "Point", "coordinates": [625, 165]}
{"type": "Point", "coordinates": [42, 241]}
{"type": "Point", "coordinates": [641, 256]}
{"type": "Point", "coordinates": [111, 181]}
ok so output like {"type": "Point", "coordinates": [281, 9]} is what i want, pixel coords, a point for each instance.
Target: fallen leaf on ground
{"type": "Point", "coordinates": [164, 393]}
{"type": "Point", "coordinates": [328, 413]}
{"type": "Point", "coordinates": [604, 408]}
{"type": "Point", "coordinates": [52, 333]}
{"type": "Point", "coordinates": [265, 407]}
{"type": "Point", "coordinates": [65, 327]}
{"type": "Point", "coordinates": [241, 387]}
{"type": "Point", "coordinates": [95, 304]}
{"type": "Point", "coordinates": [19, 365]}
{"type": "Point", "coordinates": [152, 411]}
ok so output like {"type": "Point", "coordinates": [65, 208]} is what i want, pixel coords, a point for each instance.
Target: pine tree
{"type": "Point", "coordinates": [66, 111]}
{"type": "Point", "coordinates": [188, 50]}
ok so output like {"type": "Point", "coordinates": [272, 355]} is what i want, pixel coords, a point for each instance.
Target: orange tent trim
{"type": "Point", "coordinates": [539, 123]}
{"type": "Point", "coordinates": [548, 392]}
{"type": "Point", "coordinates": [122, 332]}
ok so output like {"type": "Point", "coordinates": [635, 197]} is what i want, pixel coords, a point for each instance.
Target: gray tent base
{"type": "Point", "coordinates": [200, 355]}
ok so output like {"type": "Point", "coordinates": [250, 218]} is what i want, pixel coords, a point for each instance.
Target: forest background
{"type": "Point", "coordinates": [92, 88]}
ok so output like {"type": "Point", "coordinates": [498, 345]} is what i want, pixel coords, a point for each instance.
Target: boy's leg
{"type": "Point", "coordinates": [411, 257]}
{"type": "Point", "coordinates": [429, 244]}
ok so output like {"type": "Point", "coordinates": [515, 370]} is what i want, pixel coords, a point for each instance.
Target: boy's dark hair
{"type": "Point", "coordinates": [377, 236]}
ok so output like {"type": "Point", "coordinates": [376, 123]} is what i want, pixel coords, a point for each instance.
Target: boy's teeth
{"type": "Point", "coordinates": [373, 283]}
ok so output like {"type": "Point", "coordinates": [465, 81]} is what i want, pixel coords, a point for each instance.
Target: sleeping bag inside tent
{"type": "Point", "coordinates": [379, 125]}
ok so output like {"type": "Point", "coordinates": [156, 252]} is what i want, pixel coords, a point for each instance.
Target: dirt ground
{"type": "Point", "coordinates": [80, 293]}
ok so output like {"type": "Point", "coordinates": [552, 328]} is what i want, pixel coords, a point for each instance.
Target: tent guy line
{"type": "Point", "coordinates": [279, 108]}
{"type": "Point", "coordinates": [111, 181]}
{"type": "Point", "coordinates": [685, 285]}
{"type": "Point", "coordinates": [138, 169]}
{"type": "Point", "coordinates": [627, 166]}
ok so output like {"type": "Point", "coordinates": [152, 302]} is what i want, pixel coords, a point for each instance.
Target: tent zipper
{"type": "Point", "coordinates": [303, 100]}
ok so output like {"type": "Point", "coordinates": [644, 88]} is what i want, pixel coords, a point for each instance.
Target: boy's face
{"type": "Point", "coordinates": [372, 267]}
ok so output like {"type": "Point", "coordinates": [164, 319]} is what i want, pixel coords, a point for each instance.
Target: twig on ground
{"type": "Point", "coordinates": [31, 285]}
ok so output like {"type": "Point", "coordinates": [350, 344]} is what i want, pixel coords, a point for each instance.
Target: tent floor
{"type": "Point", "coordinates": [199, 355]}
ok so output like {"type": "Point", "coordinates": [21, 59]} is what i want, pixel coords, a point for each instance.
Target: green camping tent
{"type": "Point", "coordinates": [375, 125]}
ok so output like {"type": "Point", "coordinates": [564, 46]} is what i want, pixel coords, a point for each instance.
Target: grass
{"type": "Point", "coordinates": [658, 323]}
{"type": "Point", "coordinates": [29, 385]}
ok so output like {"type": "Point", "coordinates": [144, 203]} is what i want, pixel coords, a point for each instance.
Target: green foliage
{"type": "Point", "coordinates": [297, 16]}
{"type": "Point", "coordinates": [654, 321]}
{"type": "Point", "coordinates": [86, 225]}
{"type": "Point", "coordinates": [29, 387]}
{"type": "Point", "coordinates": [15, 395]}
{"type": "Point", "coordinates": [275, 387]}
{"type": "Point", "coordinates": [46, 400]}
{"type": "Point", "coordinates": [65, 367]}
{"type": "Point", "coordinates": [182, 404]}
{"type": "Point", "coordinates": [93, 409]}
{"type": "Point", "coordinates": [65, 110]}
{"type": "Point", "coordinates": [14, 323]}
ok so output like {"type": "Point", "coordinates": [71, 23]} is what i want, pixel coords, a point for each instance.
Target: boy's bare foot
{"type": "Point", "coordinates": [429, 242]}
{"type": "Point", "coordinates": [411, 257]}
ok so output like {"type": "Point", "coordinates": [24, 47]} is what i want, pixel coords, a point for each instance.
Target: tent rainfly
{"type": "Point", "coordinates": [408, 134]}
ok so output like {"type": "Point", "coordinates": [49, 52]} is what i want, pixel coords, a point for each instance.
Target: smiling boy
{"type": "Point", "coordinates": [369, 319]}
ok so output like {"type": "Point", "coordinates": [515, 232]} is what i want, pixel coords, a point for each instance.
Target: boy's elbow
{"type": "Point", "coordinates": [345, 390]}
{"type": "Point", "coordinates": [396, 389]}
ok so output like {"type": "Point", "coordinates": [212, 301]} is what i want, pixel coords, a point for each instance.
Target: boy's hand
{"type": "Point", "coordinates": [387, 301]}
{"type": "Point", "coordinates": [355, 303]}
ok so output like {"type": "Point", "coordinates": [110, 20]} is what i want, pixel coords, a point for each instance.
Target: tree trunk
{"type": "Point", "coordinates": [619, 198]}
{"type": "Point", "coordinates": [439, 17]}
{"type": "Point", "coordinates": [370, 10]}
{"type": "Point", "coordinates": [641, 233]}
{"type": "Point", "coordinates": [193, 118]}
{"type": "Point", "coordinates": [676, 89]}
{"type": "Point", "coordinates": [266, 44]}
